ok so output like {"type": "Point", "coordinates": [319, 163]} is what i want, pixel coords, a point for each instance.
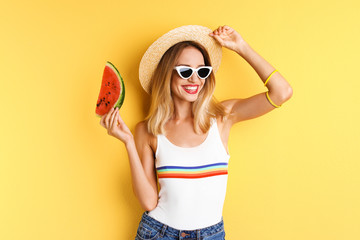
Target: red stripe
{"type": "Point", "coordinates": [189, 175]}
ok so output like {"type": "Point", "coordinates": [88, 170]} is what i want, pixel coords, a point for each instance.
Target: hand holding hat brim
{"type": "Point", "coordinates": [228, 37]}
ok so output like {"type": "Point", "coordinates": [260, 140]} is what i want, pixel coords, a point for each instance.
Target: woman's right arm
{"type": "Point", "coordinates": [141, 157]}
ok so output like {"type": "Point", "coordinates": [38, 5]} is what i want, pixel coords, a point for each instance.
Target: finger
{"type": "Point", "coordinates": [120, 120]}
{"type": "Point", "coordinates": [102, 120]}
{"type": "Point", "coordinates": [111, 123]}
{"type": "Point", "coordinates": [107, 119]}
{"type": "Point", "coordinates": [219, 39]}
{"type": "Point", "coordinates": [122, 123]}
{"type": "Point", "coordinates": [112, 119]}
{"type": "Point", "coordinates": [101, 123]}
{"type": "Point", "coordinates": [229, 30]}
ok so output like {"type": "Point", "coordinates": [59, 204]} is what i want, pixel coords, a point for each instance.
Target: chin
{"type": "Point", "coordinates": [191, 98]}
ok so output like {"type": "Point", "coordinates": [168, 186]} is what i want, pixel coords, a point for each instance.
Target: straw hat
{"type": "Point", "coordinates": [154, 53]}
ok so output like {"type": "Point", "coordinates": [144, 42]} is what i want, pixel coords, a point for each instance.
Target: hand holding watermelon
{"type": "Point", "coordinates": [110, 100]}
{"type": "Point", "coordinates": [115, 126]}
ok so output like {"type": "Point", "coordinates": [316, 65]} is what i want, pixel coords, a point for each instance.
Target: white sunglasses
{"type": "Point", "coordinates": [186, 72]}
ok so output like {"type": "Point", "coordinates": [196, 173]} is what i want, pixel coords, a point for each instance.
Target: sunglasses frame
{"type": "Point", "coordinates": [178, 68]}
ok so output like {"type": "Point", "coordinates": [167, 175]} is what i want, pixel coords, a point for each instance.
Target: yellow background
{"type": "Point", "coordinates": [293, 173]}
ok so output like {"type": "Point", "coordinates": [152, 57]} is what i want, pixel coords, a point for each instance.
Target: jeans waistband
{"type": "Point", "coordinates": [176, 232]}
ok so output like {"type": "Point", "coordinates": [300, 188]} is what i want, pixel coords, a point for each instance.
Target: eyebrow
{"type": "Point", "coordinates": [189, 65]}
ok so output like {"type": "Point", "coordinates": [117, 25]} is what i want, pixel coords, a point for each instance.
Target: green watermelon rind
{"type": "Point", "coordinates": [120, 101]}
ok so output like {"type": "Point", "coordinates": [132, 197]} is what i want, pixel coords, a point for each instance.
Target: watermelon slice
{"type": "Point", "coordinates": [112, 92]}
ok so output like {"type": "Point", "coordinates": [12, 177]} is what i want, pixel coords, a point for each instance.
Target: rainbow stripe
{"type": "Point", "coordinates": [193, 172]}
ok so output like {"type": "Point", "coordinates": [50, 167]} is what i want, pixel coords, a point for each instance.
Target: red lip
{"type": "Point", "coordinates": [191, 91]}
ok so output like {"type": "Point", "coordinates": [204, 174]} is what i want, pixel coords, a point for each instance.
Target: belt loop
{"type": "Point", "coordinates": [198, 233]}
{"type": "Point", "coordinates": [163, 230]}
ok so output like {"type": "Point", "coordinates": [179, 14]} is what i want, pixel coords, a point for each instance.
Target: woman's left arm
{"type": "Point", "coordinates": [279, 89]}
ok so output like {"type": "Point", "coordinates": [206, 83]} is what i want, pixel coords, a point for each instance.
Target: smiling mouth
{"type": "Point", "coordinates": [191, 89]}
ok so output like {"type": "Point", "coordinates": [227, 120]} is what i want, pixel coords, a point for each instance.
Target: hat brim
{"type": "Point", "coordinates": [196, 33]}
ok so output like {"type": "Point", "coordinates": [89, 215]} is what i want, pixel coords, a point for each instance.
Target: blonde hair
{"type": "Point", "coordinates": [162, 105]}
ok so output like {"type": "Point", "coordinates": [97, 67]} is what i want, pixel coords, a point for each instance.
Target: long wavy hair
{"type": "Point", "coordinates": [162, 105]}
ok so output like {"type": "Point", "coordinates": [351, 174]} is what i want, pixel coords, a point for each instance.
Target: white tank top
{"type": "Point", "coordinates": [192, 182]}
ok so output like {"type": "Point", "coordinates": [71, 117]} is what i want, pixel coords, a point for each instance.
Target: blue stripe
{"type": "Point", "coordinates": [195, 167]}
{"type": "Point", "coordinates": [191, 170]}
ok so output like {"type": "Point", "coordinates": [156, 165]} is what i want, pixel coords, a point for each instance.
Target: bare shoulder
{"type": "Point", "coordinates": [143, 137]}
{"type": "Point", "coordinates": [141, 128]}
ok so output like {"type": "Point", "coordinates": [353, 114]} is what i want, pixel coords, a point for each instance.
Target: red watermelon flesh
{"type": "Point", "coordinates": [112, 92]}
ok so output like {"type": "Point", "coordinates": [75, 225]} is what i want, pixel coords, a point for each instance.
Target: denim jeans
{"type": "Point", "coordinates": [149, 228]}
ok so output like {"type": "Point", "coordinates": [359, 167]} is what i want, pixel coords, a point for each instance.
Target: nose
{"type": "Point", "coordinates": [194, 77]}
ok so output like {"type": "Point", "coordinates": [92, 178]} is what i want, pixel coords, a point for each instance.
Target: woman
{"type": "Point", "coordinates": [182, 143]}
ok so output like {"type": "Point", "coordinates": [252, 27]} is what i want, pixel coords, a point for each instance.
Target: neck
{"type": "Point", "coordinates": [183, 110]}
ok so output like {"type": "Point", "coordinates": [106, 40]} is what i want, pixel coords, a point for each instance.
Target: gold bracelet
{"type": "Point", "coordinates": [272, 103]}
{"type": "Point", "coordinates": [269, 77]}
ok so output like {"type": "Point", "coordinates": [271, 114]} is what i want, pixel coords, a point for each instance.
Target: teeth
{"type": "Point", "coordinates": [190, 88]}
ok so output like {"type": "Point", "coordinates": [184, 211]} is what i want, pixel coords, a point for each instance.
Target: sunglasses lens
{"type": "Point", "coordinates": [204, 72]}
{"type": "Point", "coordinates": [185, 72]}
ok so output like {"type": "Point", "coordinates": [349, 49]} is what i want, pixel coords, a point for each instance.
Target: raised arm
{"type": "Point", "coordinates": [279, 89]}
{"type": "Point", "coordinates": [141, 157]}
